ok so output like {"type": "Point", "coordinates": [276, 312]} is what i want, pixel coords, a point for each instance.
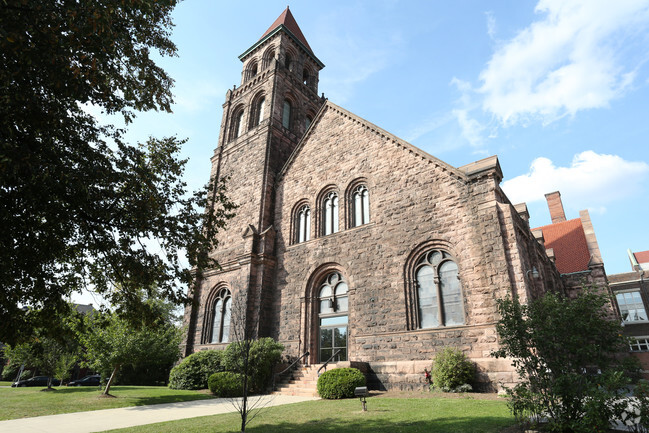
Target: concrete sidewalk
{"type": "Point", "coordinates": [108, 419]}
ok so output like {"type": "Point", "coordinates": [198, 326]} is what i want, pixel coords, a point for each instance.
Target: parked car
{"type": "Point", "coordinates": [36, 381]}
{"type": "Point", "coordinates": [92, 380]}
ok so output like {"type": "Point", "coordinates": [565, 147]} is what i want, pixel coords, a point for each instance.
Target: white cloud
{"type": "Point", "coordinates": [491, 24]}
{"type": "Point", "coordinates": [564, 62]}
{"type": "Point", "coordinates": [471, 129]}
{"type": "Point", "coordinates": [592, 180]}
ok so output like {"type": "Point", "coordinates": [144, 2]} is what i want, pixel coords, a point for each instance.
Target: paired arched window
{"type": "Point", "coordinates": [330, 213]}
{"type": "Point", "coordinates": [439, 293]}
{"type": "Point", "coordinates": [269, 55]}
{"type": "Point", "coordinates": [286, 114]}
{"type": "Point", "coordinates": [333, 309]}
{"type": "Point", "coordinates": [360, 206]}
{"type": "Point", "coordinates": [303, 224]}
{"type": "Point", "coordinates": [222, 312]}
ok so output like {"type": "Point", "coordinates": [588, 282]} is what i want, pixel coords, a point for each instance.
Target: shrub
{"type": "Point", "coordinates": [262, 357]}
{"type": "Point", "coordinates": [193, 371]}
{"type": "Point", "coordinates": [452, 370]}
{"type": "Point", "coordinates": [340, 383]}
{"type": "Point", "coordinates": [226, 384]}
{"type": "Point", "coordinates": [565, 353]}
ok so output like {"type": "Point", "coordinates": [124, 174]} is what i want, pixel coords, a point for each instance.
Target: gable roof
{"type": "Point", "coordinates": [568, 240]}
{"type": "Point", "coordinates": [459, 173]}
{"type": "Point", "coordinates": [642, 257]}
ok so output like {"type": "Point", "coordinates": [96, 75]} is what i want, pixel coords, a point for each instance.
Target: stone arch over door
{"type": "Point", "coordinates": [326, 319]}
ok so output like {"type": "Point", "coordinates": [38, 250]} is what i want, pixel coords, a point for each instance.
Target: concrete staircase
{"type": "Point", "coordinates": [302, 381]}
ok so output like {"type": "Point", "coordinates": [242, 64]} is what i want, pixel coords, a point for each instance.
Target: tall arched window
{"type": "Point", "coordinates": [307, 122]}
{"type": "Point", "coordinates": [332, 315]}
{"type": "Point", "coordinates": [221, 317]}
{"type": "Point", "coordinates": [286, 114]}
{"type": "Point", "coordinates": [259, 111]}
{"type": "Point", "coordinates": [237, 124]}
{"type": "Point", "coordinates": [439, 293]}
{"type": "Point", "coordinates": [269, 55]}
{"type": "Point", "coordinates": [303, 224]}
{"type": "Point", "coordinates": [360, 206]}
{"type": "Point", "coordinates": [288, 62]}
{"type": "Point", "coordinates": [330, 214]}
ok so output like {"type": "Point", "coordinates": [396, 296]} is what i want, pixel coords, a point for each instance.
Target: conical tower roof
{"type": "Point", "coordinates": [287, 20]}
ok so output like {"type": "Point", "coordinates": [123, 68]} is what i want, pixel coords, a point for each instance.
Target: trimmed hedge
{"type": "Point", "coordinates": [340, 383]}
{"type": "Point", "coordinates": [194, 371]}
{"type": "Point", "coordinates": [226, 384]}
{"type": "Point", "coordinates": [451, 370]}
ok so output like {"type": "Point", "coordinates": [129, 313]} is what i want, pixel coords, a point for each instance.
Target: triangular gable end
{"type": "Point", "coordinates": [386, 136]}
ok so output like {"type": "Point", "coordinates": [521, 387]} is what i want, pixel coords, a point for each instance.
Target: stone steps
{"type": "Point", "coordinates": [303, 381]}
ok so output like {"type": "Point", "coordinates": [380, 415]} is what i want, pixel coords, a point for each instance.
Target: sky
{"type": "Point", "coordinates": [557, 89]}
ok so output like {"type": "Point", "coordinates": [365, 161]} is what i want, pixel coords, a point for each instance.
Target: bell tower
{"type": "Point", "coordinates": [264, 118]}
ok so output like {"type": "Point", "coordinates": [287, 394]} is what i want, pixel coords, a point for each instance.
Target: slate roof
{"type": "Point", "coordinates": [568, 240]}
{"type": "Point", "coordinates": [287, 19]}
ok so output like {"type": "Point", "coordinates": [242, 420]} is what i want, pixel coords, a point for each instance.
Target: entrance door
{"type": "Point", "coordinates": [333, 319]}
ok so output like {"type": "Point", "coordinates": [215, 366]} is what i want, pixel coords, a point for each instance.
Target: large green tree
{"type": "Point", "coordinates": [80, 207]}
{"type": "Point", "coordinates": [111, 342]}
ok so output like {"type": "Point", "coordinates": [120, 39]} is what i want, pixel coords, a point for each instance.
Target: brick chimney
{"type": "Point", "coordinates": [556, 207]}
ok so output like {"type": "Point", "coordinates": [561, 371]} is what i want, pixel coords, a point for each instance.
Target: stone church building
{"type": "Point", "coordinates": [350, 242]}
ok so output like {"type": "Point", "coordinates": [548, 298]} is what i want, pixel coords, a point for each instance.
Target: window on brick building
{"type": "Point", "coordinates": [639, 344]}
{"type": "Point", "coordinates": [360, 206]}
{"type": "Point", "coordinates": [286, 114]}
{"type": "Point", "coordinates": [258, 115]}
{"type": "Point", "coordinates": [330, 214]}
{"type": "Point", "coordinates": [631, 306]}
{"type": "Point", "coordinates": [237, 124]}
{"type": "Point", "coordinates": [333, 319]}
{"type": "Point", "coordinates": [439, 293]}
{"type": "Point", "coordinates": [307, 122]}
{"type": "Point", "coordinates": [303, 224]}
{"type": "Point", "coordinates": [221, 317]}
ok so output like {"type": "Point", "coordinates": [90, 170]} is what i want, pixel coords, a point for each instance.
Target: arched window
{"type": "Point", "coordinates": [253, 69]}
{"type": "Point", "coordinates": [286, 114]}
{"type": "Point", "coordinates": [360, 206]}
{"type": "Point", "coordinates": [333, 308]}
{"type": "Point", "coordinates": [439, 293]}
{"type": "Point", "coordinates": [330, 214]}
{"type": "Point", "coordinates": [237, 124]}
{"type": "Point", "coordinates": [305, 76]}
{"type": "Point", "coordinates": [307, 122]}
{"type": "Point", "coordinates": [288, 62]}
{"type": "Point", "coordinates": [258, 114]}
{"type": "Point", "coordinates": [303, 224]}
{"type": "Point", "coordinates": [221, 317]}
{"type": "Point", "coordinates": [269, 55]}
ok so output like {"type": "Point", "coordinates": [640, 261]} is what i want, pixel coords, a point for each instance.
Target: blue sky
{"type": "Point", "coordinates": [558, 89]}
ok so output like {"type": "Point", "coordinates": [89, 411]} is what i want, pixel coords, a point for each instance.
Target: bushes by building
{"type": "Point", "coordinates": [194, 371]}
{"type": "Point", "coordinates": [226, 384]}
{"type": "Point", "coordinates": [340, 383]}
{"type": "Point", "coordinates": [452, 371]}
{"type": "Point", "coordinates": [262, 355]}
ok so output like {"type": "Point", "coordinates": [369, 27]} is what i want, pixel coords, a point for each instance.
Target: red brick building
{"type": "Point", "coordinates": [352, 241]}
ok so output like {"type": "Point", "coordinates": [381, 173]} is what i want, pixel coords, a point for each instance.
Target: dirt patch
{"type": "Point", "coordinates": [425, 394]}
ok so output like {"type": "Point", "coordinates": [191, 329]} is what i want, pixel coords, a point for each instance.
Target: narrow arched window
{"type": "Point", "coordinates": [221, 317]}
{"type": "Point", "coordinates": [261, 105]}
{"type": "Point", "coordinates": [330, 214]}
{"type": "Point", "coordinates": [286, 114]}
{"type": "Point", "coordinates": [303, 224]}
{"type": "Point", "coordinates": [237, 124]}
{"type": "Point", "coordinates": [333, 306]}
{"type": "Point", "coordinates": [288, 62]}
{"type": "Point", "coordinates": [305, 76]}
{"type": "Point", "coordinates": [360, 205]}
{"type": "Point", "coordinates": [307, 122]}
{"type": "Point", "coordinates": [439, 293]}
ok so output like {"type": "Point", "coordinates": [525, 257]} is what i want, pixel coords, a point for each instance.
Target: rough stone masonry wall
{"type": "Point", "coordinates": [414, 200]}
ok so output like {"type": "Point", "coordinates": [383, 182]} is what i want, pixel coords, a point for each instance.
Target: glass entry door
{"type": "Point", "coordinates": [333, 337]}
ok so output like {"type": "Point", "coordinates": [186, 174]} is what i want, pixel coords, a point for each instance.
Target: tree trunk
{"type": "Point", "coordinates": [49, 382]}
{"type": "Point", "coordinates": [110, 381]}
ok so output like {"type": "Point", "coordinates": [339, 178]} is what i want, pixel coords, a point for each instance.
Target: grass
{"type": "Point", "coordinates": [434, 415]}
{"type": "Point", "coordinates": [28, 402]}
{"type": "Point", "coordinates": [5, 383]}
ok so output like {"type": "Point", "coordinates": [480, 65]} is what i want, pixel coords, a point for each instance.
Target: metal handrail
{"type": "Point", "coordinates": [305, 354]}
{"type": "Point", "coordinates": [328, 360]}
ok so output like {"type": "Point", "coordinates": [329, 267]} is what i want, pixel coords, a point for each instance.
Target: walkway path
{"type": "Point", "coordinates": [107, 419]}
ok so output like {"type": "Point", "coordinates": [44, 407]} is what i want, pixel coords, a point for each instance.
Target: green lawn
{"type": "Point", "coordinates": [389, 415]}
{"type": "Point", "coordinates": [28, 402]}
{"type": "Point", "coordinates": [3, 383]}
